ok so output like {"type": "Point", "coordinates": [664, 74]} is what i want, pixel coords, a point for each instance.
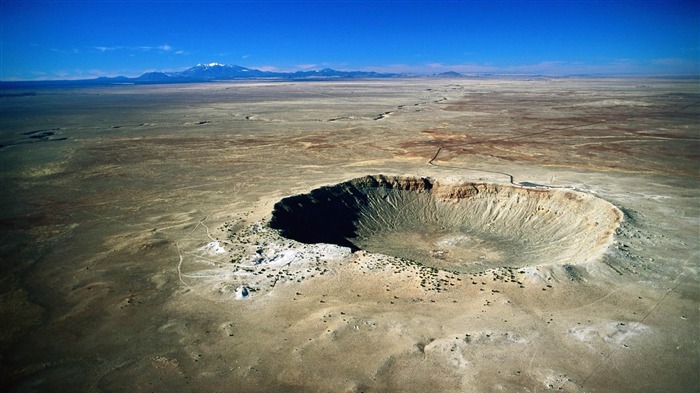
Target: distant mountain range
{"type": "Point", "coordinates": [219, 72]}
{"type": "Point", "coordinates": [222, 72]}
{"type": "Point", "coordinates": [216, 72]}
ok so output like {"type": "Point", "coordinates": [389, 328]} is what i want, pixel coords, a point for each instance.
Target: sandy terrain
{"type": "Point", "coordinates": [515, 235]}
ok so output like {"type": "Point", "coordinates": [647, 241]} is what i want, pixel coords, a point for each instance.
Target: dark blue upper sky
{"type": "Point", "coordinates": [76, 39]}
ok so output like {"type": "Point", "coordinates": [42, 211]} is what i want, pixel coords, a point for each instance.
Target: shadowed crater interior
{"type": "Point", "coordinates": [459, 226]}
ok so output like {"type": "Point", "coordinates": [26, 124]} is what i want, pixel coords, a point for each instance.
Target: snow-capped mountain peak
{"type": "Point", "coordinates": [210, 65]}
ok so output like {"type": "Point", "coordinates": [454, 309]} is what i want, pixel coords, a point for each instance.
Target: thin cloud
{"type": "Point", "coordinates": [267, 68]}
{"type": "Point", "coordinates": [165, 48]}
{"type": "Point", "coordinates": [74, 74]}
{"type": "Point", "coordinates": [551, 67]}
{"type": "Point", "coordinates": [303, 67]}
{"type": "Point", "coordinates": [140, 48]}
{"type": "Point", "coordinates": [104, 49]}
{"type": "Point", "coordinates": [682, 65]}
{"type": "Point", "coordinates": [675, 62]}
{"type": "Point", "coordinates": [73, 51]}
{"type": "Point", "coordinates": [432, 68]}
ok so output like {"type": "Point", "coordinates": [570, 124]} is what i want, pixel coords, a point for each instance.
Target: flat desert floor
{"type": "Point", "coordinates": [525, 235]}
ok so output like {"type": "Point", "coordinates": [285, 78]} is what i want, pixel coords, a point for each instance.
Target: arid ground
{"type": "Point", "coordinates": [525, 235]}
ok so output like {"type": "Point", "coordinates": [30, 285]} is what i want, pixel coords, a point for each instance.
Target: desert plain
{"type": "Point", "coordinates": [390, 235]}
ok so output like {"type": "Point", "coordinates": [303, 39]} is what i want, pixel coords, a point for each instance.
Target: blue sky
{"type": "Point", "coordinates": [42, 39]}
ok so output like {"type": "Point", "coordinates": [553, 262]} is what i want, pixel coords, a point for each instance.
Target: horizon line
{"type": "Point", "coordinates": [480, 70]}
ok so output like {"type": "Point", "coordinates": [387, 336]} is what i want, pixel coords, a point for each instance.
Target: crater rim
{"type": "Point", "coordinates": [450, 223]}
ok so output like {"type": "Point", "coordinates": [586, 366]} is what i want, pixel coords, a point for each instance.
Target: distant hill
{"type": "Point", "coordinates": [450, 74]}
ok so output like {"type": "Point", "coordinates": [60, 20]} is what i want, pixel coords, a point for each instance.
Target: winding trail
{"type": "Point", "coordinates": [510, 177]}
{"type": "Point", "coordinates": [527, 184]}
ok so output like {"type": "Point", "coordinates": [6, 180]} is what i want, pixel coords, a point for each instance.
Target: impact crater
{"type": "Point", "coordinates": [451, 224]}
